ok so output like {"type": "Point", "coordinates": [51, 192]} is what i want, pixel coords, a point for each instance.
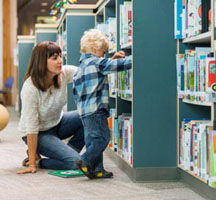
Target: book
{"type": "Point", "coordinates": [210, 75]}
{"type": "Point", "coordinates": [66, 173]}
{"type": "Point", "coordinates": [178, 18]}
{"type": "Point", "coordinates": [206, 4]}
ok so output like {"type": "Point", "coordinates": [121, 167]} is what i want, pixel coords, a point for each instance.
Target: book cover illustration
{"type": "Point", "coordinates": [66, 173]}
{"type": "Point", "coordinates": [210, 75]}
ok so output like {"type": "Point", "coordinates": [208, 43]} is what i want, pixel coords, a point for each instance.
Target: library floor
{"type": "Point", "coordinates": [41, 186]}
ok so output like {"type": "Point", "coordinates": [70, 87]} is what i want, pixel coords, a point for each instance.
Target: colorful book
{"type": "Point", "coordinates": [66, 173]}
{"type": "Point", "coordinates": [210, 75]}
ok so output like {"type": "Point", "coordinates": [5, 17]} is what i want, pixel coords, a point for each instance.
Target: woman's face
{"type": "Point", "coordinates": [54, 64]}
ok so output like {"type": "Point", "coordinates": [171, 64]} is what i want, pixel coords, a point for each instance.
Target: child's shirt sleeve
{"type": "Point", "coordinates": [107, 65]}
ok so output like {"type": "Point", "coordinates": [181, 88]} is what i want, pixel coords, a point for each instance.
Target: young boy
{"type": "Point", "coordinates": [91, 95]}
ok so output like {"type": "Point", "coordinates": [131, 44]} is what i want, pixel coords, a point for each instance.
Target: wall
{"type": "Point", "coordinates": [9, 23]}
{"type": "Point", "coordinates": [13, 39]}
{"type": "Point", "coordinates": [1, 47]}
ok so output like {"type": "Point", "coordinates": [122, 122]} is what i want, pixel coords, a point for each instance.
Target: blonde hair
{"type": "Point", "coordinates": [93, 38]}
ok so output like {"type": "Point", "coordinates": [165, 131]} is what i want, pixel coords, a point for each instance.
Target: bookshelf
{"type": "Point", "coordinates": [25, 46]}
{"type": "Point", "coordinates": [74, 21]}
{"type": "Point", "coordinates": [45, 32]}
{"type": "Point", "coordinates": [155, 144]}
{"type": "Point", "coordinates": [194, 168]}
{"type": "Point", "coordinates": [154, 148]}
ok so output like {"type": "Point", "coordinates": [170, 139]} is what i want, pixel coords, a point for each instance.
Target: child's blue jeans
{"type": "Point", "coordinates": [97, 136]}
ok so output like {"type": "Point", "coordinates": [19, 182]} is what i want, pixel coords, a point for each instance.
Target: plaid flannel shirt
{"type": "Point", "coordinates": [90, 86]}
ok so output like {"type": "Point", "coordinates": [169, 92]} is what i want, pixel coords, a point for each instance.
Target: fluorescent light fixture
{"type": "Point", "coordinates": [44, 4]}
{"type": "Point", "coordinates": [43, 10]}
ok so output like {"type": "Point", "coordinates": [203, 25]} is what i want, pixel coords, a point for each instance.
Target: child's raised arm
{"type": "Point", "coordinates": [119, 54]}
{"type": "Point", "coordinates": [107, 65]}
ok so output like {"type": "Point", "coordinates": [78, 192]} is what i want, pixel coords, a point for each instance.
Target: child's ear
{"type": "Point", "coordinates": [93, 49]}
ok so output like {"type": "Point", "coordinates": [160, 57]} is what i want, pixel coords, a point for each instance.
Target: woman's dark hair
{"type": "Point", "coordinates": [37, 67]}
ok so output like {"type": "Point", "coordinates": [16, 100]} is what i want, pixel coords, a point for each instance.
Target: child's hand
{"type": "Point", "coordinates": [119, 54]}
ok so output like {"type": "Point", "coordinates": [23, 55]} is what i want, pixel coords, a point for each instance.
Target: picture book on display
{"type": "Point", "coordinates": [66, 173]}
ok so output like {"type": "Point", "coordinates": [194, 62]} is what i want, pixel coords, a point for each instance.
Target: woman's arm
{"type": "Point", "coordinates": [69, 71]}
{"type": "Point", "coordinates": [32, 146]}
{"type": "Point", "coordinates": [30, 116]}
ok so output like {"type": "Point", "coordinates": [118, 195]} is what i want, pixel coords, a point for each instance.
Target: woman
{"type": "Point", "coordinates": [42, 121]}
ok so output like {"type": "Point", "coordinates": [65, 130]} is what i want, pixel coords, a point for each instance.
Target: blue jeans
{"type": "Point", "coordinates": [97, 136]}
{"type": "Point", "coordinates": [61, 156]}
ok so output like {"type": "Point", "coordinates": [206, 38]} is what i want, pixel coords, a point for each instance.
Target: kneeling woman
{"type": "Point", "coordinates": [43, 123]}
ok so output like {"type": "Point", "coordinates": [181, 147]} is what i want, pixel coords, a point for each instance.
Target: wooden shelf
{"type": "Point", "coordinates": [202, 38]}
{"type": "Point", "coordinates": [126, 46]}
{"type": "Point", "coordinates": [25, 39]}
{"type": "Point", "coordinates": [197, 177]}
{"type": "Point", "coordinates": [125, 92]}
{"type": "Point", "coordinates": [113, 96]}
{"type": "Point", "coordinates": [110, 150]}
{"type": "Point", "coordinates": [197, 103]}
{"type": "Point", "coordinates": [126, 99]}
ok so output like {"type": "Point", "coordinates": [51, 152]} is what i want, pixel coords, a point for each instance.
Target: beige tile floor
{"type": "Point", "coordinates": [41, 186]}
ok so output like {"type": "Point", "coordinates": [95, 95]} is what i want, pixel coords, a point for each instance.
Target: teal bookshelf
{"type": "Point", "coordinates": [188, 108]}
{"type": "Point", "coordinates": [154, 149]}
{"type": "Point", "coordinates": [25, 46]}
{"type": "Point", "coordinates": [45, 32]}
{"type": "Point", "coordinates": [153, 85]}
{"type": "Point", "coordinates": [72, 24]}
{"type": "Point", "coordinates": [153, 105]}
{"type": "Point", "coordinates": [156, 110]}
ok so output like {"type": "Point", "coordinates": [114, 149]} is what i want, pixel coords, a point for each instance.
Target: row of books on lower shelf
{"type": "Point", "coordinates": [197, 149]}
{"type": "Point", "coordinates": [196, 71]}
{"type": "Point", "coordinates": [121, 134]}
{"type": "Point", "coordinates": [124, 86]}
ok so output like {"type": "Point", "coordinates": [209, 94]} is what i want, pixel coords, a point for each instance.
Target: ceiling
{"type": "Point", "coordinates": [34, 6]}
{"type": "Point", "coordinates": [28, 10]}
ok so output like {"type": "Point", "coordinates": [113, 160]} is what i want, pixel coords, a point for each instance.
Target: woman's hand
{"type": "Point", "coordinates": [119, 54]}
{"type": "Point", "coordinates": [30, 169]}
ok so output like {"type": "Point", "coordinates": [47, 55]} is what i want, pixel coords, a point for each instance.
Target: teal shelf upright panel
{"type": "Point", "coordinates": [25, 46]}
{"type": "Point", "coordinates": [40, 37]}
{"type": "Point", "coordinates": [110, 11]}
{"type": "Point", "coordinates": [154, 85]}
{"type": "Point", "coordinates": [76, 25]}
{"type": "Point", "coordinates": [45, 32]}
{"type": "Point", "coordinates": [194, 108]}
{"type": "Point", "coordinates": [123, 106]}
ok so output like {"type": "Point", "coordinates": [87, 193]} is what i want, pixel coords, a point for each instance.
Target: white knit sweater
{"type": "Point", "coordinates": [43, 110]}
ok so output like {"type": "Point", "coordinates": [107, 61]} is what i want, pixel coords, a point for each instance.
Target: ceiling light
{"type": "Point", "coordinates": [44, 4]}
{"type": "Point", "coordinates": [43, 10]}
